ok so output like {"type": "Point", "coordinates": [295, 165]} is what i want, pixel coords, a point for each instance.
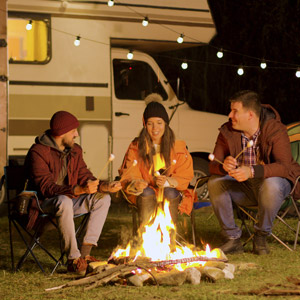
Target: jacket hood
{"type": "Point", "coordinates": [47, 140]}
{"type": "Point", "coordinates": [268, 112]}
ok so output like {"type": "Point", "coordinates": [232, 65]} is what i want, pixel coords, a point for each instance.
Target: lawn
{"type": "Point", "coordinates": [253, 272]}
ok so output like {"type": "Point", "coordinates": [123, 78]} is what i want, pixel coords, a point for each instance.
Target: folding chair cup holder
{"type": "Point", "coordinates": [18, 216]}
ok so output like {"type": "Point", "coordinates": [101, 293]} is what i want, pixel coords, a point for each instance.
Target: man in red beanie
{"type": "Point", "coordinates": [57, 171]}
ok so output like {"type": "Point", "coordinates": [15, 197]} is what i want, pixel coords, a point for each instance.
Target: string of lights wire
{"type": "Point", "coordinates": [219, 51]}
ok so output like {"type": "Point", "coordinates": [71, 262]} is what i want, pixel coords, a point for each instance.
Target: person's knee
{"type": "Point", "coordinates": [171, 193]}
{"type": "Point", "coordinates": [64, 204]}
{"type": "Point", "coordinates": [147, 192]}
{"type": "Point", "coordinates": [102, 200]}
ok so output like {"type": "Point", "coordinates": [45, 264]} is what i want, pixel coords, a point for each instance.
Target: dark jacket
{"type": "Point", "coordinates": [274, 148]}
{"type": "Point", "coordinates": [44, 162]}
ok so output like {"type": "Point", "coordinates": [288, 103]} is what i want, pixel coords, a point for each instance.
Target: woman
{"type": "Point", "coordinates": [155, 160]}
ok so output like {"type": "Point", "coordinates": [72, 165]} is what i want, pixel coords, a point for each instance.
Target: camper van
{"type": "Point", "coordinates": [75, 56]}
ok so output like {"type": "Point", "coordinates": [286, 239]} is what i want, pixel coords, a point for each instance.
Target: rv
{"type": "Point", "coordinates": [75, 58]}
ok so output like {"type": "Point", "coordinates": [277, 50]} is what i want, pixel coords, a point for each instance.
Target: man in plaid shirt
{"type": "Point", "coordinates": [258, 169]}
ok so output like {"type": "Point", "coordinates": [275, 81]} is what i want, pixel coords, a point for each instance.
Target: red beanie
{"type": "Point", "coordinates": [62, 122]}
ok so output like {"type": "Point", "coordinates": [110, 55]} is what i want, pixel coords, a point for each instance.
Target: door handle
{"type": "Point", "coordinates": [119, 114]}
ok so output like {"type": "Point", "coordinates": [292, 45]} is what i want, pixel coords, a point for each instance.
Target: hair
{"type": "Point", "coordinates": [249, 99]}
{"type": "Point", "coordinates": [146, 147]}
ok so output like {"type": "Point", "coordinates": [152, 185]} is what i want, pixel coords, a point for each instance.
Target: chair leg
{"type": "Point", "coordinates": [11, 245]}
{"type": "Point", "coordinates": [193, 225]}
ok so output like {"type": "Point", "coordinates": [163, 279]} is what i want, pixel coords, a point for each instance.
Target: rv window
{"type": "Point", "coordinates": [135, 80]}
{"type": "Point", "coordinates": [25, 44]}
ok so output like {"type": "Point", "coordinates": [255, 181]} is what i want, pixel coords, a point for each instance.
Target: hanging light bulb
{"type": "Point", "coordinates": [184, 65]}
{"type": "Point", "coordinates": [298, 73]}
{"type": "Point", "coordinates": [130, 54]}
{"type": "Point", "coordinates": [77, 41]}
{"type": "Point", "coordinates": [145, 22]}
{"type": "Point", "coordinates": [180, 39]}
{"type": "Point", "coordinates": [263, 64]}
{"type": "Point", "coordinates": [240, 71]}
{"type": "Point", "coordinates": [110, 3]}
{"type": "Point", "coordinates": [220, 53]}
{"type": "Point", "coordinates": [29, 25]}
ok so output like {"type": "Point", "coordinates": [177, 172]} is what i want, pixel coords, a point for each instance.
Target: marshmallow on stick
{"type": "Point", "coordinates": [134, 163]}
{"type": "Point", "coordinates": [249, 144]}
{"type": "Point", "coordinates": [211, 157]}
{"type": "Point", "coordinates": [110, 159]}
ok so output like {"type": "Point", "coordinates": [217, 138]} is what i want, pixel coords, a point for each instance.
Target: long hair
{"type": "Point", "coordinates": [147, 150]}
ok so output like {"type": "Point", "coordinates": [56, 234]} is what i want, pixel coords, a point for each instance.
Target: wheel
{"type": "Point", "coordinates": [200, 169]}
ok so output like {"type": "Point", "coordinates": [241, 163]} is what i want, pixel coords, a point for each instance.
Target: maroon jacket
{"type": "Point", "coordinates": [274, 148]}
{"type": "Point", "coordinates": [43, 164]}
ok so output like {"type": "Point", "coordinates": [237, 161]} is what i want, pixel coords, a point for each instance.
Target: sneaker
{"type": "Point", "coordinates": [260, 246]}
{"type": "Point", "coordinates": [89, 259]}
{"type": "Point", "coordinates": [78, 266]}
{"type": "Point", "coordinates": [232, 246]}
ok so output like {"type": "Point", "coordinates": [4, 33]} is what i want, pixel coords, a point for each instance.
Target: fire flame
{"type": "Point", "coordinates": [158, 237]}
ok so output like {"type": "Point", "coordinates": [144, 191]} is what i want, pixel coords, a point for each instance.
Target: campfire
{"type": "Point", "coordinates": [156, 257]}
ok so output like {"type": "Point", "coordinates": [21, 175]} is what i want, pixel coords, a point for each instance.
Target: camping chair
{"type": "Point", "coordinates": [14, 179]}
{"type": "Point", "coordinates": [289, 202]}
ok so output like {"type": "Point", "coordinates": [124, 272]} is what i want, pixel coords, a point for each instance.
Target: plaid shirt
{"type": "Point", "coordinates": [249, 157]}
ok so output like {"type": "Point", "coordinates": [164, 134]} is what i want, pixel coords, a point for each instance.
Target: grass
{"type": "Point", "coordinates": [30, 282]}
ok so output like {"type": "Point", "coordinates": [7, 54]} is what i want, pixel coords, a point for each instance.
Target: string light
{"type": "Point", "coordinates": [184, 65]}
{"type": "Point", "coordinates": [180, 39]}
{"type": "Point", "coordinates": [130, 54]}
{"type": "Point", "coordinates": [110, 3]}
{"type": "Point", "coordinates": [29, 25]}
{"type": "Point", "coordinates": [240, 71]}
{"type": "Point", "coordinates": [263, 64]}
{"type": "Point", "coordinates": [298, 73]}
{"type": "Point", "coordinates": [145, 22]}
{"type": "Point", "coordinates": [220, 53]}
{"type": "Point", "coordinates": [77, 41]}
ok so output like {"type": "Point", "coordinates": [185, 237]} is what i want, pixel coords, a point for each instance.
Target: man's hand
{"type": "Point", "coordinates": [114, 186]}
{"type": "Point", "coordinates": [242, 173]}
{"type": "Point", "coordinates": [160, 180]}
{"type": "Point", "coordinates": [229, 164]}
{"type": "Point", "coordinates": [91, 187]}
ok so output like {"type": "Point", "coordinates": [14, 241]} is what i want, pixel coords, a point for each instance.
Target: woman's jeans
{"type": "Point", "coordinates": [146, 204]}
{"type": "Point", "coordinates": [268, 194]}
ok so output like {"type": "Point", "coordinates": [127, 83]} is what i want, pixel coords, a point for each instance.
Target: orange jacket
{"type": "Point", "coordinates": [182, 172]}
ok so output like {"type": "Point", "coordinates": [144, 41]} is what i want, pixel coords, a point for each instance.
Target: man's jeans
{"type": "Point", "coordinates": [64, 208]}
{"type": "Point", "coordinates": [268, 194]}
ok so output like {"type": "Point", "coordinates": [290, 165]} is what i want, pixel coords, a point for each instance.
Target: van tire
{"type": "Point", "coordinates": [200, 169]}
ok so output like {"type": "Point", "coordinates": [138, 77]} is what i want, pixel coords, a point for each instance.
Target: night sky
{"type": "Point", "coordinates": [248, 31]}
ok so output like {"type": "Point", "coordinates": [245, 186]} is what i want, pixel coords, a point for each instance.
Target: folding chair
{"type": "Point", "coordinates": [289, 202]}
{"type": "Point", "coordinates": [14, 179]}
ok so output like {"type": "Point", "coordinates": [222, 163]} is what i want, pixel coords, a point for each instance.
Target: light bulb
{"type": "Point", "coordinates": [110, 3]}
{"type": "Point", "coordinates": [130, 55]}
{"type": "Point", "coordinates": [145, 22]}
{"type": "Point", "coordinates": [263, 64]}
{"type": "Point", "coordinates": [240, 71]}
{"type": "Point", "coordinates": [77, 41]}
{"type": "Point", "coordinates": [180, 39]}
{"type": "Point", "coordinates": [29, 25]}
{"type": "Point", "coordinates": [298, 73]}
{"type": "Point", "coordinates": [220, 53]}
{"type": "Point", "coordinates": [184, 65]}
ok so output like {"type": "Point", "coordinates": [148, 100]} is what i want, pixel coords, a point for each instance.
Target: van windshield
{"type": "Point", "coordinates": [135, 80]}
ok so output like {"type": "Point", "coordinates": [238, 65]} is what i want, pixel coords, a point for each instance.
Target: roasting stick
{"type": "Point", "coordinates": [211, 157]}
{"type": "Point", "coordinates": [134, 163]}
{"type": "Point", "coordinates": [249, 144]}
{"type": "Point", "coordinates": [174, 161]}
{"type": "Point", "coordinates": [110, 159]}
